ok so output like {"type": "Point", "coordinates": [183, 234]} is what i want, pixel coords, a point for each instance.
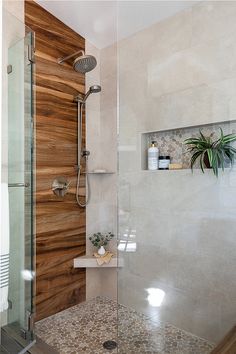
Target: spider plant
{"type": "Point", "coordinates": [212, 154]}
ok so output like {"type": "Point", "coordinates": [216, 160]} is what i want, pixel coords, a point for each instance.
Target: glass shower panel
{"type": "Point", "coordinates": [19, 328]}
{"type": "Point", "coordinates": [176, 280]}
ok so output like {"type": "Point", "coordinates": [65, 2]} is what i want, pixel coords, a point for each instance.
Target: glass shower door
{"type": "Point", "coordinates": [18, 334]}
{"type": "Point", "coordinates": [177, 244]}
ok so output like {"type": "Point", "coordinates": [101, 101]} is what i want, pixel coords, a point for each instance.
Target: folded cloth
{"type": "Point", "coordinates": [4, 248]}
{"type": "Point", "coordinates": [105, 258]}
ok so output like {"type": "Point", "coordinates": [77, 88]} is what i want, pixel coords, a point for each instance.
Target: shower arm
{"type": "Point", "coordinates": [61, 60]}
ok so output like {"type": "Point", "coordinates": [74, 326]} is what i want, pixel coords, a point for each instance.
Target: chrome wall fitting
{"type": "Point", "coordinates": [85, 153]}
{"type": "Point", "coordinates": [60, 186]}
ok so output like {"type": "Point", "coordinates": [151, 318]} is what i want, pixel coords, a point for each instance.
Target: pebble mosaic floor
{"type": "Point", "coordinates": [84, 327]}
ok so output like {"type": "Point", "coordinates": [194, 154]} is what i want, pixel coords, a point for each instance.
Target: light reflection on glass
{"type": "Point", "coordinates": [27, 275]}
{"type": "Point", "coordinates": [127, 246]}
{"type": "Point", "coordinates": [127, 243]}
{"type": "Point", "coordinates": [155, 296]}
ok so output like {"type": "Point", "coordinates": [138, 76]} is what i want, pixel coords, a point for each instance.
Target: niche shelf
{"type": "Point", "coordinates": [90, 262]}
{"type": "Point", "coordinates": [170, 142]}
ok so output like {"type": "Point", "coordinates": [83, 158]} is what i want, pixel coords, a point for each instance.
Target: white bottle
{"type": "Point", "coordinates": [153, 153]}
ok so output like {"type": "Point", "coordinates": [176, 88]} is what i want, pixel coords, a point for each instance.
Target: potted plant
{"type": "Point", "coordinates": [100, 240]}
{"type": "Point", "coordinates": [212, 154]}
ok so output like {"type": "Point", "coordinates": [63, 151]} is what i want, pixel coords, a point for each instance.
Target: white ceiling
{"type": "Point", "coordinates": [103, 22]}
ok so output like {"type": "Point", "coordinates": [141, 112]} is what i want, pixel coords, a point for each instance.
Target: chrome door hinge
{"type": "Point", "coordinates": [31, 52]}
{"type": "Point", "coordinates": [30, 321]}
{"type": "Point", "coordinates": [23, 333]}
{"type": "Point", "coordinates": [9, 68]}
{"type": "Point", "coordinates": [26, 332]}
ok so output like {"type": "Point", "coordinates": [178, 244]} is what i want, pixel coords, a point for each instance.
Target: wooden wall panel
{"type": "Point", "coordinates": [60, 223]}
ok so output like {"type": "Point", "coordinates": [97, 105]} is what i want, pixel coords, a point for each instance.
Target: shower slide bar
{"type": "Point", "coordinates": [18, 184]}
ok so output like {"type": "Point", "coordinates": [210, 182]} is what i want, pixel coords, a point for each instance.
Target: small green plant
{"type": "Point", "coordinates": [212, 154]}
{"type": "Point", "coordinates": [100, 239]}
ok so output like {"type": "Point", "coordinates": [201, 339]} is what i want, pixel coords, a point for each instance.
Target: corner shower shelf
{"type": "Point", "coordinates": [90, 262]}
{"type": "Point", "coordinates": [101, 172]}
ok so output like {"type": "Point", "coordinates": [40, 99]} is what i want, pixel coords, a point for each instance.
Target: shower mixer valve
{"type": "Point", "coordinates": [60, 186]}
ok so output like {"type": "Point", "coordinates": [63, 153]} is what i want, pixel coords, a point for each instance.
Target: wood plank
{"type": "Point", "coordinates": [60, 222]}
{"type": "Point", "coordinates": [41, 347]}
{"type": "Point", "coordinates": [228, 343]}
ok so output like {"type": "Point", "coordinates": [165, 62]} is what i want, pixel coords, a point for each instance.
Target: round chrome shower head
{"type": "Point", "coordinates": [92, 89]}
{"type": "Point", "coordinates": [84, 63]}
{"type": "Point", "coordinates": [82, 98]}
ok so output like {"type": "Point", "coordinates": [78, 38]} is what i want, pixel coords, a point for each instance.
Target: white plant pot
{"type": "Point", "coordinates": [101, 251]}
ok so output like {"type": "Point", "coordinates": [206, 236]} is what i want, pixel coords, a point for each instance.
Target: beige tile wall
{"type": "Point", "coordinates": [180, 72]}
{"type": "Point", "coordinates": [101, 133]}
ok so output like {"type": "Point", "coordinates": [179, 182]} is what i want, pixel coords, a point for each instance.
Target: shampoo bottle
{"type": "Point", "coordinates": [153, 156]}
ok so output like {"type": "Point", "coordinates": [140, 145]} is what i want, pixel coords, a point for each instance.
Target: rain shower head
{"type": "Point", "coordinates": [93, 89]}
{"type": "Point", "coordinates": [83, 63]}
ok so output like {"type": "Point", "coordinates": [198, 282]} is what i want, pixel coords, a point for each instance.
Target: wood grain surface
{"type": "Point", "coordinates": [60, 222]}
{"type": "Point", "coordinates": [227, 344]}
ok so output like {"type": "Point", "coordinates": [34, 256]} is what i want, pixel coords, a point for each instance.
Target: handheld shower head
{"type": "Point", "coordinates": [93, 89]}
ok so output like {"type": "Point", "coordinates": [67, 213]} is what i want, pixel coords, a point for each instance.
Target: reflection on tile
{"type": "Point", "coordinates": [85, 327]}
{"type": "Point", "coordinates": [176, 307]}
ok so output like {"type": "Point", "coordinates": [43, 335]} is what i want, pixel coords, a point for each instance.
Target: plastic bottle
{"type": "Point", "coordinates": [153, 153]}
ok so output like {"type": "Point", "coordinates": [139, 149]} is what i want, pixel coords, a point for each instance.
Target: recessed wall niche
{"type": "Point", "coordinates": [170, 142]}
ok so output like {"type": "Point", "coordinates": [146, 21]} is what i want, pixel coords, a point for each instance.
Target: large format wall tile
{"type": "Point", "coordinates": [203, 64]}
{"type": "Point", "coordinates": [212, 103]}
{"type": "Point", "coordinates": [171, 76]}
{"type": "Point", "coordinates": [178, 233]}
{"type": "Point", "coordinates": [213, 21]}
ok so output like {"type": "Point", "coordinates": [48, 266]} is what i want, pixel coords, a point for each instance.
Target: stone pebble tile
{"type": "Point", "coordinates": [84, 327]}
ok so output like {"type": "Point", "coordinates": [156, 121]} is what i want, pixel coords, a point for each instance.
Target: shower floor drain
{"type": "Point", "coordinates": [110, 345]}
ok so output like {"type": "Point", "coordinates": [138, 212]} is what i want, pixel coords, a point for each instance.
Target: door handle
{"type": "Point", "coordinates": [18, 185]}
